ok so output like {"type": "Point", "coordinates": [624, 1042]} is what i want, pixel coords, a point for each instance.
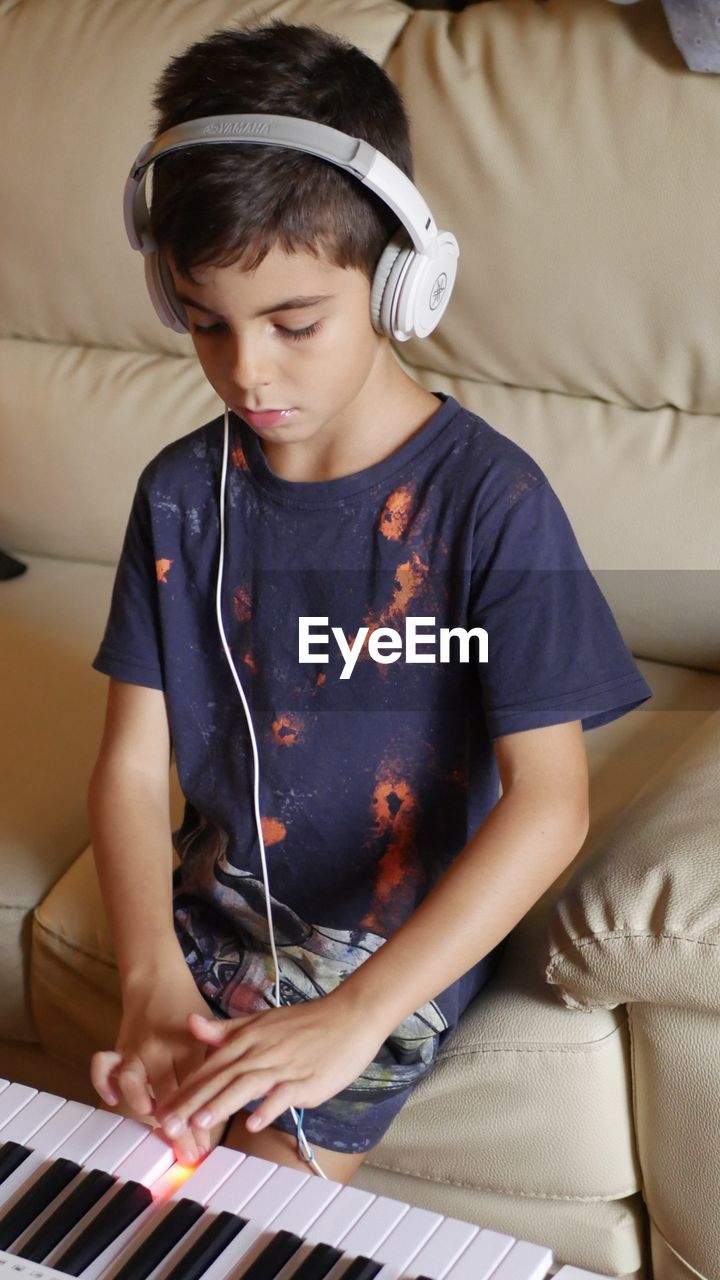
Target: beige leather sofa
{"type": "Point", "coordinates": [576, 158]}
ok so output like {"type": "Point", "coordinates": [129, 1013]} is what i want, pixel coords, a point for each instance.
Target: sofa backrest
{"type": "Point", "coordinates": [568, 147]}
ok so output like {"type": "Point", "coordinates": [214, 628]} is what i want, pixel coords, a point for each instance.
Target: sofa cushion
{"type": "Point", "coordinates": [640, 920]}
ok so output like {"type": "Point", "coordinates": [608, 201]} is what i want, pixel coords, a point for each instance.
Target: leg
{"type": "Point", "coordinates": [275, 1144]}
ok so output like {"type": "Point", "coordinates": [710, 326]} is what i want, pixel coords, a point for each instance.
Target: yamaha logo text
{"type": "Point", "coordinates": [235, 128]}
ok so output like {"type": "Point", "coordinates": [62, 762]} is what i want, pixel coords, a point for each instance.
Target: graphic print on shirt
{"type": "Point", "coordinates": [226, 943]}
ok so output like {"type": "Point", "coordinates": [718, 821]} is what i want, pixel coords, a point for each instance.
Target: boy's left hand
{"type": "Point", "coordinates": [298, 1055]}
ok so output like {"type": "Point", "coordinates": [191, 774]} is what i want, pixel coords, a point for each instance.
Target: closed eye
{"type": "Point", "coordinates": [297, 335]}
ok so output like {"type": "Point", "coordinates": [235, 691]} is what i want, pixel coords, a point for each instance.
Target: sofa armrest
{"type": "Point", "coordinates": [640, 919]}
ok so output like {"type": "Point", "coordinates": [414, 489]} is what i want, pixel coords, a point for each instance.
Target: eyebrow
{"type": "Point", "coordinates": [288, 304]}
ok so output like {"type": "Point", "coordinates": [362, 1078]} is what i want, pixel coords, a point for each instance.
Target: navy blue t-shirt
{"type": "Point", "coordinates": [373, 774]}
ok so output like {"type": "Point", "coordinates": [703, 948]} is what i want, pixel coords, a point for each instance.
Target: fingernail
{"type": "Point", "coordinates": [173, 1126]}
{"type": "Point", "coordinates": [186, 1157]}
{"type": "Point", "coordinates": [203, 1119]}
{"type": "Point", "coordinates": [254, 1122]}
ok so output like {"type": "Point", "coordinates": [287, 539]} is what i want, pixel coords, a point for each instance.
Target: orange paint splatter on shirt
{"type": "Point", "coordinates": [395, 808]}
{"type": "Point", "coordinates": [242, 604]}
{"type": "Point", "coordinates": [162, 569]}
{"type": "Point", "coordinates": [395, 515]}
{"type": "Point", "coordinates": [273, 830]}
{"type": "Point", "coordinates": [409, 580]}
{"type": "Point", "coordinates": [250, 662]}
{"type": "Point", "coordinates": [320, 679]}
{"type": "Point", "coordinates": [287, 730]}
{"type": "Point", "coordinates": [239, 459]}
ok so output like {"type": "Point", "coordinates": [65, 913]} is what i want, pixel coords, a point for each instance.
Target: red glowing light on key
{"type": "Point", "coordinates": [170, 1182]}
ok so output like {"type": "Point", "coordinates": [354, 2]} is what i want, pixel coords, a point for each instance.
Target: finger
{"type": "Point", "coordinates": [209, 1030]}
{"type": "Point", "coordinates": [102, 1065]}
{"type": "Point", "coordinates": [278, 1100]}
{"type": "Point", "coordinates": [236, 1096]}
{"type": "Point", "coordinates": [132, 1082]}
{"type": "Point", "coordinates": [198, 1088]}
{"type": "Point", "coordinates": [164, 1084]}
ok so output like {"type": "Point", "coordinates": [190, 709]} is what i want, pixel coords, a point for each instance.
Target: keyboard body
{"type": "Point", "coordinates": [87, 1193]}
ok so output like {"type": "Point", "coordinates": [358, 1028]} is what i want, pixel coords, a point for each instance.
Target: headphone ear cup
{"type": "Point", "coordinates": [423, 292]}
{"type": "Point", "coordinates": [390, 264]}
{"type": "Point", "coordinates": [162, 293]}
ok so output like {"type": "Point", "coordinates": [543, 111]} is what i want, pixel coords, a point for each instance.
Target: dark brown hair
{"type": "Point", "coordinates": [222, 204]}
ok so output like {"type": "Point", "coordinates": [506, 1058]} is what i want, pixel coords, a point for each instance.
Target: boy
{"type": "Point", "coordinates": [356, 501]}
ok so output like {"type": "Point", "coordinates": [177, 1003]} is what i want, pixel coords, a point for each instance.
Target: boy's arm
{"type": "Point", "coordinates": [129, 811]}
{"type": "Point", "coordinates": [305, 1054]}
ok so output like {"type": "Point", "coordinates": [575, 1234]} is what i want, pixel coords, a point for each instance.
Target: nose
{"type": "Point", "coordinates": [250, 363]}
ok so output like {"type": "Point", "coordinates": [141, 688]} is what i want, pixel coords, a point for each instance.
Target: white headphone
{"type": "Point", "coordinates": [416, 271]}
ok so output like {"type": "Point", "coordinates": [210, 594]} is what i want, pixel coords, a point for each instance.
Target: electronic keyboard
{"type": "Point", "coordinates": [84, 1192]}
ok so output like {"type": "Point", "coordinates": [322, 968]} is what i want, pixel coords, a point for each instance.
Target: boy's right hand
{"type": "Point", "coordinates": [154, 1053]}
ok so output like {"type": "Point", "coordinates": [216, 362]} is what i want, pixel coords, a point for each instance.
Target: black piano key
{"type": "Point", "coordinates": [131, 1200]}
{"type": "Point", "coordinates": [171, 1229]}
{"type": "Point", "coordinates": [86, 1194]}
{"type": "Point", "coordinates": [36, 1199]}
{"type": "Point", "coordinates": [12, 1155]}
{"type": "Point", "coordinates": [269, 1263]}
{"type": "Point", "coordinates": [318, 1263]}
{"type": "Point", "coordinates": [362, 1269]}
{"type": "Point", "coordinates": [208, 1247]}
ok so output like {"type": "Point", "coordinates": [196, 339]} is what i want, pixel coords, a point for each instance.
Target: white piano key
{"type": "Point", "coordinates": [88, 1136]}
{"type": "Point", "coordinates": [371, 1229]}
{"type": "Point", "coordinates": [340, 1216]}
{"type": "Point", "coordinates": [152, 1157]}
{"type": "Point", "coordinates": [208, 1177]}
{"type": "Point", "coordinates": [234, 1194]}
{"type": "Point", "coordinates": [120, 1142]}
{"type": "Point", "coordinates": [405, 1241]}
{"type": "Point", "coordinates": [481, 1258]}
{"type": "Point", "coordinates": [61, 1123]}
{"type": "Point", "coordinates": [525, 1261]}
{"type": "Point", "coordinates": [3, 1085]}
{"type": "Point", "coordinates": [442, 1249]}
{"type": "Point", "coordinates": [314, 1196]}
{"type": "Point", "coordinates": [263, 1212]}
{"type": "Point", "coordinates": [29, 1118]}
{"type": "Point", "coordinates": [12, 1100]}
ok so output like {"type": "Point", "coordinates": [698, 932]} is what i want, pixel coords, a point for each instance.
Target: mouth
{"type": "Point", "coordinates": [265, 417]}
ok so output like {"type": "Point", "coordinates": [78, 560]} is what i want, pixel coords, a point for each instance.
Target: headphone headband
{"type": "Point", "coordinates": [354, 155]}
{"type": "Point", "coordinates": [415, 274]}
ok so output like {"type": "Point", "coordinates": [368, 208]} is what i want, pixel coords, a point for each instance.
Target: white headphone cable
{"type": "Point", "coordinates": [305, 1150]}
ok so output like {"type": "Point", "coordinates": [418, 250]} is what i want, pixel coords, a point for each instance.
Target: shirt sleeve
{"type": "Point", "coordinates": [554, 650]}
{"type": "Point", "coordinates": [131, 647]}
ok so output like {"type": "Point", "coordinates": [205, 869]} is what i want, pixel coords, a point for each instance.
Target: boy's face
{"type": "Point", "coordinates": [290, 347]}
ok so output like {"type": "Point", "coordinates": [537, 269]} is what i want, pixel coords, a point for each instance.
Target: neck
{"type": "Point", "coordinates": [388, 411]}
